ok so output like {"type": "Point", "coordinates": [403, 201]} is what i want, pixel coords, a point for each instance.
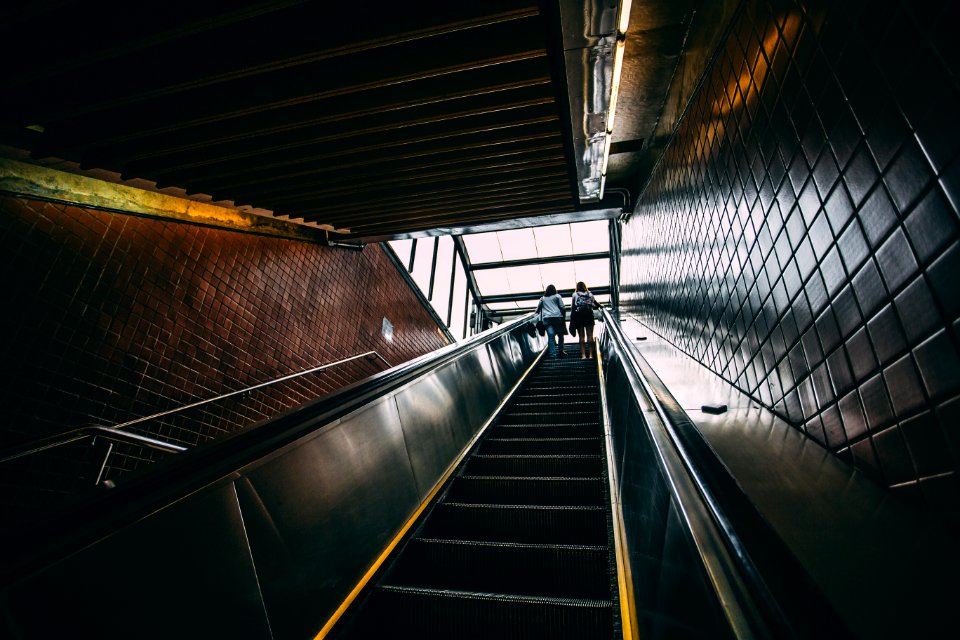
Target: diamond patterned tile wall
{"type": "Point", "coordinates": [800, 234]}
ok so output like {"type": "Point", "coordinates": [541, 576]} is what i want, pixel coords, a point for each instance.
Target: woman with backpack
{"type": "Point", "coordinates": [581, 318]}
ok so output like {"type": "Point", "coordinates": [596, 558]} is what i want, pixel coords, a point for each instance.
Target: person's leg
{"type": "Point", "coordinates": [580, 334]}
{"type": "Point", "coordinates": [561, 331]}
{"type": "Point", "coordinates": [589, 341]}
{"type": "Point", "coordinates": [551, 339]}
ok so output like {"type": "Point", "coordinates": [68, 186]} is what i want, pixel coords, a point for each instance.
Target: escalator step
{"type": "Point", "coordinates": [519, 490]}
{"type": "Point", "coordinates": [561, 571]}
{"type": "Point", "coordinates": [523, 398]}
{"type": "Point", "coordinates": [522, 430]}
{"type": "Point", "coordinates": [553, 406]}
{"type": "Point", "coordinates": [533, 415]}
{"type": "Point", "coordinates": [558, 405]}
{"type": "Point", "coordinates": [545, 446]}
{"type": "Point", "coordinates": [578, 424]}
{"type": "Point", "coordinates": [433, 613]}
{"type": "Point", "coordinates": [558, 388]}
{"type": "Point", "coordinates": [518, 523]}
{"type": "Point", "coordinates": [535, 466]}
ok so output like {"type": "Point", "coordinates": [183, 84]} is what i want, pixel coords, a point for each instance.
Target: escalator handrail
{"type": "Point", "coordinates": [722, 552]}
{"type": "Point", "coordinates": [174, 477]}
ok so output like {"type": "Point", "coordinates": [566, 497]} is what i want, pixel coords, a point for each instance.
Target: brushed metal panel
{"type": "Point", "coordinates": [480, 390]}
{"type": "Point", "coordinates": [428, 411]}
{"type": "Point", "coordinates": [321, 512]}
{"type": "Point", "coordinates": [519, 350]}
{"type": "Point", "coordinates": [495, 350]}
{"type": "Point", "coordinates": [183, 572]}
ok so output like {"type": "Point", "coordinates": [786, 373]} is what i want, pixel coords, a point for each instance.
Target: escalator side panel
{"type": "Point", "coordinates": [480, 392]}
{"type": "Point", "coordinates": [320, 511]}
{"type": "Point", "coordinates": [429, 409]}
{"type": "Point", "coordinates": [193, 557]}
{"type": "Point", "coordinates": [670, 587]}
{"type": "Point", "coordinates": [272, 547]}
{"type": "Point", "coordinates": [511, 358]}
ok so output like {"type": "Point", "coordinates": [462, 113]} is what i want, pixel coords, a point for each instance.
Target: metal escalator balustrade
{"type": "Point", "coordinates": [519, 542]}
{"type": "Point", "coordinates": [262, 534]}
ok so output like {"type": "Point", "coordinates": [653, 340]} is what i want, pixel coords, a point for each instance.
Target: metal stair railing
{"type": "Point", "coordinates": [116, 433]}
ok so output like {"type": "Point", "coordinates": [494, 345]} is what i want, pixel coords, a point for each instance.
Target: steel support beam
{"type": "Point", "coordinates": [599, 255]}
{"type": "Point", "coordinates": [535, 295]}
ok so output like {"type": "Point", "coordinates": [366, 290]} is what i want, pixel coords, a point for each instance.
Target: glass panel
{"type": "Point", "coordinates": [441, 284]}
{"type": "Point", "coordinates": [591, 236]}
{"type": "Point", "coordinates": [489, 281]}
{"type": "Point", "coordinates": [483, 247]}
{"type": "Point", "coordinates": [402, 249]}
{"type": "Point", "coordinates": [553, 240]}
{"type": "Point", "coordinates": [593, 273]}
{"type": "Point", "coordinates": [540, 242]}
{"type": "Point", "coordinates": [523, 279]}
{"type": "Point", "coordinates": [517, 244]}
{"type": "Point", "coordinates": [559, 274]}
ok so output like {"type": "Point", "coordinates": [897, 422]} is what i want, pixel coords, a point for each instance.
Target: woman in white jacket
{"type": "Point", "coordinates": [553, 312]}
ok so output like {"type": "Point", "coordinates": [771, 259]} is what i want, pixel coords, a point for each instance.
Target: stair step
{"type": "Point", "coordinates": [439, 613]}
{"type": "Point", "coordinates": [531, 418]}
{"type": "Point", "coordinates": [562, 405]}
{"type": "Point", "coordinates": [527, 490]}
{"type": "Point", "coordinates": [566, 571]}
{"type": "Point", "coordinates": [557, 387]}
{"type": "Point", "coordinates": [521, 446]}
{"type": "Point", "coordinates": [546, 430]}
{"type": "Point", "coordinates": [554, 421]}
{"type": "Point", "coordinates": [518, 523]}
{"type": "Point", "coordinates": [523, 397]}
{"type": "Point", "coordinates": [536, 466]}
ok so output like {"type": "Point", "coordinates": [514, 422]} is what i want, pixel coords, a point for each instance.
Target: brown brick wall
{"type": "Point", "coordinates": [111, 317]}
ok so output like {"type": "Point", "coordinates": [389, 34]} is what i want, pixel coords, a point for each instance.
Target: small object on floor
{"type": "Point", "coordinates": [714, 408]}
{"type": "Point", "coordinates": [641, 337]}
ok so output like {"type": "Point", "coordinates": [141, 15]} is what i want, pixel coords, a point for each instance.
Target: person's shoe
{"type": "Point", "coordinates": [562, 354]}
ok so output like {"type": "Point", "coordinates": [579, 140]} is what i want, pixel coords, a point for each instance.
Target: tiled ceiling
{"type": "Point", "coordinates": [371, 121]}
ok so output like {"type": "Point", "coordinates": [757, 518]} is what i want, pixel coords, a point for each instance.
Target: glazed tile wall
{"type": "Point", "coordinates": [113, 317]}
{"type": "Point", "coordinates": [799, 236]}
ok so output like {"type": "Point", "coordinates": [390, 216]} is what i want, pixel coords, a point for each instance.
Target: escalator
{"type": "Point", "coordinates": [465, 494]}
{"type": "Point", "coordinates": [518, 543]}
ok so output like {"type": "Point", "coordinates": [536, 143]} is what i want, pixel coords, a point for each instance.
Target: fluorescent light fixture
{"type": "Point", "coordinates": [623, 23]}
